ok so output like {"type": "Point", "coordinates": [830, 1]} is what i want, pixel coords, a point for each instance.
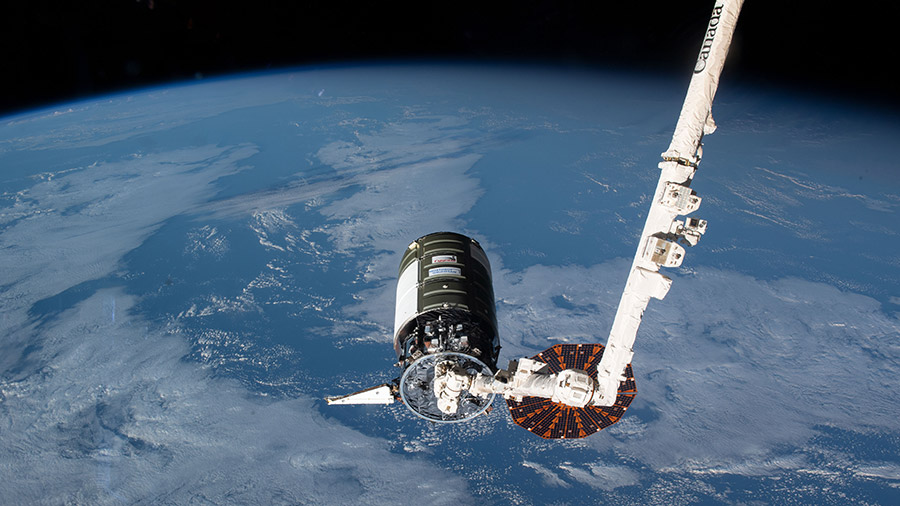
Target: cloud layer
{"type": "Point", "coordinates": [736, 375]}
{"type": "Point", "coordinates": [97, 406]}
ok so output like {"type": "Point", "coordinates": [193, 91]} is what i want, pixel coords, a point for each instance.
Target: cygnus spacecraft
{"type": "Point", "coordinates": [445, 323]}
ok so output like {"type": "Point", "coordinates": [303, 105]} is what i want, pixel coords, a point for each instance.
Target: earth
{"type": "Point", "coordinates": [188, 270]}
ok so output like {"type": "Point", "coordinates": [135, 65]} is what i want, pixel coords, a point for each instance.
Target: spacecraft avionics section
{"type": "Point", "coordinates": [445, 325]}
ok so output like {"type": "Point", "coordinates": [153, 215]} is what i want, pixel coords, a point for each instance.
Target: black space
{"type": "Point", "coordinates": [59, 51]}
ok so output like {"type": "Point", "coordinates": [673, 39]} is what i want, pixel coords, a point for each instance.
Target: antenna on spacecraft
{"type": "Point", "coordinates": [445, 325]}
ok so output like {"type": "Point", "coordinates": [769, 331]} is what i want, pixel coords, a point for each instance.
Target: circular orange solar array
{"type": "Point", "coordinates": [552, 420]}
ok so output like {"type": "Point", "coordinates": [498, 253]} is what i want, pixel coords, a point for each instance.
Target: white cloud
{"type": "Point", "coordinates": [103, 409]}
{"type": "Point", "coordinates": [729, 368]}
{"type": "Point", "coordinates": [548, 476]}
{"type": "Point", "coordinates": [116, 415]}
{"type": "Point", "coordinates": [601, 476]}
{"type": "Point", "coordinates": [766, 466]}
{"type": "Point", "coordinates": [206, 240]}
{"type": "Point", "coordinates": [75, 227]}
{"type": "Point", "coordinates": [421, 186]}
{"type": "Point", "coordinates": [400, 204]}
{"type": "Point", "coordinates": [885, 471]}
{"type": "Point", "coordinates": [775, 198]}
{"type": "Point", "coordinates": [122, 116]}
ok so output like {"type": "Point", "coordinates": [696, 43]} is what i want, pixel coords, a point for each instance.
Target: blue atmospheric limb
{"type": "Point", "coordinates": [186, 270]}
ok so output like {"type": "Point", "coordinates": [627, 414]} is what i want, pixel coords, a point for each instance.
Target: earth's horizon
{"type": "Point", "coordinates": [188, 270]}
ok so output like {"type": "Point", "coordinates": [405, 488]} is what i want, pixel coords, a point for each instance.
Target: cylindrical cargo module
{"type": "Point", "coordinates": [445, 311]}
{"type": "Point", "coordinates": [445, 300]}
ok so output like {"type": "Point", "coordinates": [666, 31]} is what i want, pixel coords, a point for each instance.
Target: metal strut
{"type": "Point", "coordinates": [658, 246]}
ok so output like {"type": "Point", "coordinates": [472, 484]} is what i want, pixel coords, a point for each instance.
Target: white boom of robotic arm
{"type": "Point", "coordinates": [659, 244]}
{"type": "Point", "coordinates": [658, 247]}
{"type": "Point", "coordinates": [524, 378]}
